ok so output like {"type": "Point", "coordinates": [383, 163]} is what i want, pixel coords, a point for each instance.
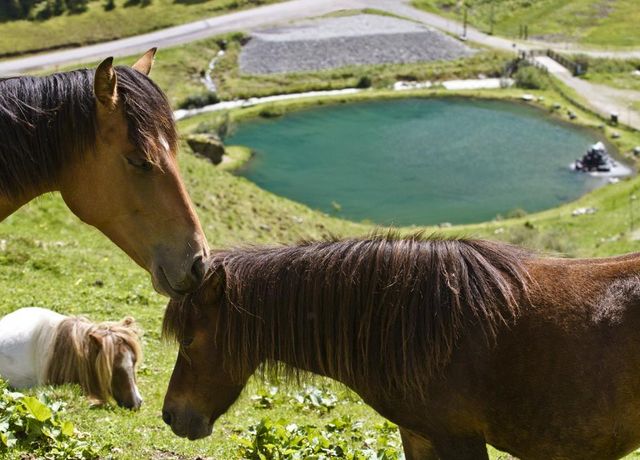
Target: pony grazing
{"type": "Point", "coordinates": [39, 346]}
{"type": "Point", "coordinates": [459, 342]}
{"type": "Point", "coordinates": [106, 140]}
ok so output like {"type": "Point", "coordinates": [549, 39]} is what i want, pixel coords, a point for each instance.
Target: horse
{"type": "Point", "coordinates": [41, 347]}
{"type": "Point", "coordinates": [459, 342]}
{"type": "Point", "coordinates": [106, 140]}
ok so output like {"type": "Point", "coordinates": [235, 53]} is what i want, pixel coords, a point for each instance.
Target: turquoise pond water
{"type": "Point", "coordinates": [418, 161]}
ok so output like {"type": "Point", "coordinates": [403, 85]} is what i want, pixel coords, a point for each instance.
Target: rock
{"type": "Point", "coordinates": [208, 145]}
{"type": "Point", "coordinates": [615, 135]}
{"type": "Point", "coordinates": [636, 150]}
{"type": "Point", "coordinates": [583, 211]}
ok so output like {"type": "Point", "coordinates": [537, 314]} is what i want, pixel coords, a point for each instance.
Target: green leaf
{"type": "Point", "coordinates": [67, 428]}
{"type": "Point", "coordinates": [37, 409]}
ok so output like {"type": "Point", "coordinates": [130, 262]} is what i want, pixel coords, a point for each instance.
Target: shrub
{"type": "Point", "coordinates": [34, 425]}
{"type": "Point", "coordinates": [341, 438]}
{"type": "Point", "coordinates": [364, 82]}
{"type": "Point", "coordinates": [530, 77]}
{"type": "Point", "coordinates": [200, 99]}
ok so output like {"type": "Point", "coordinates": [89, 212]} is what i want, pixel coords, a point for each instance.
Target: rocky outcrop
{"type": "Point", "coordinates": [208, 145]}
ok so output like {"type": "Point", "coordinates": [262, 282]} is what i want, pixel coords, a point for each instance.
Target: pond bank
{"type": "Point", "coordinates": [485, 83]}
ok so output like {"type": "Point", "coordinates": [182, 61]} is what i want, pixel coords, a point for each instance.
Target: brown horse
{"type": "Point", "coordinates": [106, 140]}
{"type": "Point", "coordinates": [459, 342]}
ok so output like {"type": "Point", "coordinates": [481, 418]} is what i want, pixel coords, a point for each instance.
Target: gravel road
{"type": "Point", "coordinates": [342, 41]}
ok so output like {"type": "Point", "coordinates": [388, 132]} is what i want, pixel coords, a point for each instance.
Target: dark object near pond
{"type": "Point", "coordinates": [596, 159]}
{"type": "Point", "coordinates": [208, 145]}
{"type": "Point", "coordinates": [459, 342]}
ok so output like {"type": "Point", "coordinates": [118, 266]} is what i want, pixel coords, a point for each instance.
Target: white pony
{"type": "Point", "coordinates": [39, 346]}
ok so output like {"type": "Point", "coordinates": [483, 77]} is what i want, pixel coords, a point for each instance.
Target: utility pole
{"type": "Point", "coordinates": [464, 22]}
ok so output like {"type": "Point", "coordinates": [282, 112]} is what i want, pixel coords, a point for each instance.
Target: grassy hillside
{"type": "Point", "coordinates": [97, 25]}
{"type": "Point", "coordinates": [589, 22]}
{"type": "Point", "coordinates": [617, 73]}
{"type": "Point", "coordinates": [48, 258]}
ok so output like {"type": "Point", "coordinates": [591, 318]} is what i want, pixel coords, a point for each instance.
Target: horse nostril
{"type": "Point", "coordinates": [197, 269]}
{"type": "Point", "coordinates": [166, 417]}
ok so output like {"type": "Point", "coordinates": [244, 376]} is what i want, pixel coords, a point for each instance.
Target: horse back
{"type": "Point", "coordinates": [26, 341]}
{"type": "Point", "coordinates": [564, 381]}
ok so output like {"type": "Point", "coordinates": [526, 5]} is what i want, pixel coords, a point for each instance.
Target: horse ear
{"type": "Point", "coordinates": [128, 321]}
{"type": "Point", "coordinates": [104, 85]}
{"type": "Point", "coordinates": [145, 63]}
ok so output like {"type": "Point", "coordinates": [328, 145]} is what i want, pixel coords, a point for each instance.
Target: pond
{"type": "Point", "coordinates": [418, 161]}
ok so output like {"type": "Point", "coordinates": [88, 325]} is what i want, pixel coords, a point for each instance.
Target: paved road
{"type": "Point", "coordinates": [263, 16]}
{"type": "Point", "coordinates": [243, 20]}
{"type": "Point", "coordinates": [602, 98]}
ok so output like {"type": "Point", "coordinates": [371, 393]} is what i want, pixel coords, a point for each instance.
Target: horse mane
{"type": "Point", "coordinates": [384, 312]}
{"type": "Point", "coordinates": [78, 358]}
{"type": "Point", "coordinates": [47, 122]}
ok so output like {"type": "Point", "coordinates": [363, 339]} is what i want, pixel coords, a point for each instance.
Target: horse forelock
{"type": "Point", "coordinates": [77, 357]}
{"type": "Point", "coordinates": [149, 117]}
{"type": "Point", "coordinates": [383, 311]}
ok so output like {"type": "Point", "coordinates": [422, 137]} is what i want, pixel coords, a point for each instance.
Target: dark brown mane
{"type": "Point", "coordinates": [382, 310]}
{"type": "Point", "coordinates": [45, 122]}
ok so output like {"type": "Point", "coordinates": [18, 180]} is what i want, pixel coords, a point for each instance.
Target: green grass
{"type": "Point", "coordinates": [589, 22]}
{"type": "Point", "coordinates": [52, 260]}
{"type": "Point", "coordinates": [616, 73]}
{"type": "Point", "coordinates": [48, 258]}
{"type": "Point", "coordinates": [96, 25]}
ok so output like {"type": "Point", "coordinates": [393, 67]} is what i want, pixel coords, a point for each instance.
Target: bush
{"type": "Point", "coordinates": [34, 425]}
{"type": "Point", "coordinates": [194, 101]}
{"type": "Point", "coordinates": [340, 438]}
{"type": "Point", "coordinates": [364, 82]}
{"type": "Point", "coordinates": [530, 77]}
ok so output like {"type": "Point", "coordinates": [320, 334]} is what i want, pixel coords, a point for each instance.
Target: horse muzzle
{"type": "Point", "coordinates": [178, 282]}
{"type": "Point", "coordinates": [187, 424]}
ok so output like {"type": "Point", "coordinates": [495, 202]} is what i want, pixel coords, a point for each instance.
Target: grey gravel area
{"type": "Point", "coordinates": [343, 41]}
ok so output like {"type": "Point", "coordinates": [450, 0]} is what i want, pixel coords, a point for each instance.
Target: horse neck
{"type": "Point", "coordinates": [53, 128]}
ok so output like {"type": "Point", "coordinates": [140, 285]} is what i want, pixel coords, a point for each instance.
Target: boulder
{"type": "Point", "coordinates": [208, 145]}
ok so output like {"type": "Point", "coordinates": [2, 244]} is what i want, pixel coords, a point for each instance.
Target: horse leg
{"type": "Point", "coordinates": [416, 447]}
{"type": "Point", "coordinates": [456, 448]}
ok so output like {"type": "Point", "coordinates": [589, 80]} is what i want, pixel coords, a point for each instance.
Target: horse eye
{"type": "Point", "coordinates": [186, 341]}
{"type": "Point", "coordinates": [143, 164]}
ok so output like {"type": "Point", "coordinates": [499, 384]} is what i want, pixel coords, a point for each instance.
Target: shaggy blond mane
{"type": "Point", "coordinates": [84, 353]}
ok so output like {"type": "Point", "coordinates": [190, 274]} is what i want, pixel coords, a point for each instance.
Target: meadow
{"type": "Point", "coordinates": [48, 258]}
{"type": "Point", "coordinates": [97, 24]}
{"type": "Point", "coordinates": [587, 22]}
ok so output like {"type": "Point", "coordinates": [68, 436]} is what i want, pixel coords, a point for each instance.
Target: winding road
{"type": "Point", "coordinates": [602, 98]}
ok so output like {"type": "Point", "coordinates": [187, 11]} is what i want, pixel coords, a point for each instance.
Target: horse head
{"type": "Point", "coordinates": [202, 387]}
{"type": "Point", "coordinates": [129, 186]}
{"type": "Point", "coordinates": [117, 353]}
